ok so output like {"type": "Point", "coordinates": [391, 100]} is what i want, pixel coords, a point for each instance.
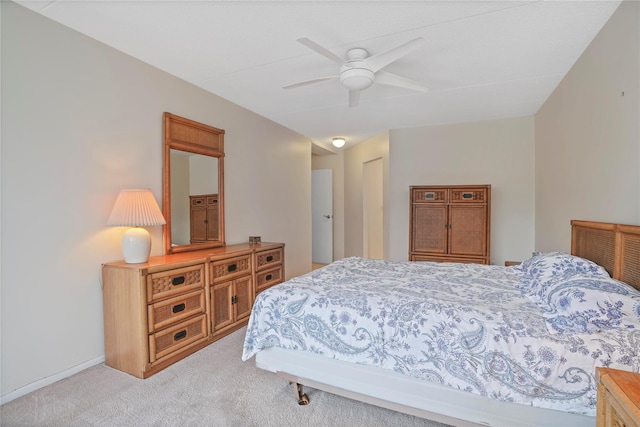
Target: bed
{"type": "Point", "coordinates": [463, 344]}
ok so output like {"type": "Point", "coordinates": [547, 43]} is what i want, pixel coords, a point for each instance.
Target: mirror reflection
{"type": "Point", "coordinates": [194, 198]}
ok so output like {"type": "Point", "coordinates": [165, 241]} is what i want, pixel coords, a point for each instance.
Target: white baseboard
{"type": "Point", "coordinates": [49, 380]}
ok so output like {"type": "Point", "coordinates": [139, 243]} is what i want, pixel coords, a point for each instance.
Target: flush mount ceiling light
{"type": "Point", "coordinates": [338, 142]}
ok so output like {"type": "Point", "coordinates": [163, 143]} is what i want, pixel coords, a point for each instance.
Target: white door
{"type": "Point", "coordinates": [372, 210]}
{"type": "Point", "coordinates": [322, 216]}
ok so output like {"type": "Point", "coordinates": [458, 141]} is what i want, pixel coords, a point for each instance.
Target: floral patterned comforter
{"type": "Point", "coordinates": [467, 326]}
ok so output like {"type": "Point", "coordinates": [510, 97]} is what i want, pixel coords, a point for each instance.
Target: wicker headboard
{"type": "Point", "coordinates": [616, 247]}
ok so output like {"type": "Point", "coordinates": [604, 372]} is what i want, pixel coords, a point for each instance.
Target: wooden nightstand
{"type": "Point", "coordinates": [618, 398]}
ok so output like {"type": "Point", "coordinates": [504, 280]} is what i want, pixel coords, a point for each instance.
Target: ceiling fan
{"type": "Point", "coordinates": [359, 70]}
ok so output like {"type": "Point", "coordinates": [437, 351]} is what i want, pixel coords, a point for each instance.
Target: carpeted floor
{"type": "Point", "coordinates": [212, 387]}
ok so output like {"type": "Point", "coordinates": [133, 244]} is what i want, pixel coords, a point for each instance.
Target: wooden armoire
{"type": "Point", "coordinates": [450, 223]}
{"type": "Point", "coordinates": [204, 218]}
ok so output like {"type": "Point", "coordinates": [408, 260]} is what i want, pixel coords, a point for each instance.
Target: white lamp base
{"type": "Point", "coordinates": [136, 245]}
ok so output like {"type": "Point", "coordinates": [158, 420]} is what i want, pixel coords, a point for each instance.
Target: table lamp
{"type": "Point", "coordinates": [136, 208]}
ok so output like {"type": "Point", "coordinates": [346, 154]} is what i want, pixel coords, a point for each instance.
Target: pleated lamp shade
{"type": "Point", "coordinates": [136, 208]}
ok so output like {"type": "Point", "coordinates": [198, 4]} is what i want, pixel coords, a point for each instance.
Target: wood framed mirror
{"type": "Point", "coordinates": [192, 185]}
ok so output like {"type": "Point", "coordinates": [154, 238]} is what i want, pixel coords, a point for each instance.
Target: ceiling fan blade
{"type": "Point", "coordinates": [390, 79]}
{"type": "Point", "coordinates": [321, 50]}
{"type": "Point", "coordinates": [382, 59]}
{"type": "Point", "coordinates": [309, 82]}
{"type": "Point", "coordinates": [354, 98]}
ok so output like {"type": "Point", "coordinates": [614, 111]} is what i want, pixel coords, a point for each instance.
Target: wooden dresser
{"type": "Point", "coordinates": [159, 312]}
{"type": "Point", "coordinates": [450, 223]}
{"type": "Point", "coordinates": [618, 398]}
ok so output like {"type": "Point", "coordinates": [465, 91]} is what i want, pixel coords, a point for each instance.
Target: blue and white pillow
{"type": "Point", "coordinates": [539, 273]}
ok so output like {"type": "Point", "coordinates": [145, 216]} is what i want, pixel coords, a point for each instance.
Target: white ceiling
{"type": "Point", "coordinates": [482, 59]}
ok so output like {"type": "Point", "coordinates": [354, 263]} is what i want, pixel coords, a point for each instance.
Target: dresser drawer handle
{"type": "Point", "coordinates": [268, 277]}
{"type": "Point", "coordinates": [178, 308]}
{"type": "Point", "coordinates": [270, 258]}
{"type": "Point", "coordinates": [467, 195]}
{"type": "Point", "coordinates": [180, 335]}
{"type": "Point", "coordinates": [177, 280]}
{"type": "Point", "coordinates": [231, 268]}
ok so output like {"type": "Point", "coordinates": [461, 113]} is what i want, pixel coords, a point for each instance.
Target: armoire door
{"type": "Point", "coordinates": [429, 231]}
{"type": "Point", "coordinates": [467, 230]}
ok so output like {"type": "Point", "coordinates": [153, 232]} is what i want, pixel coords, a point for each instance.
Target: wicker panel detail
{"type": "Point", "coordinates": [462, 195]}
{"type": "Point", "coordinates": [630, 263]}
{"type": "Point", "coordinates": [173, 282]}
{"type": "Point", "coordinates": [268, 278]}
{"type": "Point", "coordinates": [267, 258]}
{"type": "Point", "coordinates": [231, 268]}
{"type": "Point", "coordinates": [467, 234]}
{"type": "Point", "coordinates": [175, 309]}
{"type": "Point", "coordinates": [221, 305]}
{"type": "Point", "coordinates": [596, 245]}
{"type": "Point", "coordinates": [197, 200]}
{"type": "Point", "coordinates": [193, 134]}
{"type": "Point", "coordinates": [432, 195]}
{"type": "Point", "coordinates": [244, 297]}
{"type": "Point", "coordinates": [429, 233]}
{"type": "Point", "coordinates": [166, 283]}
{"type": "Point", "coordinates": [175, 338]}
{"type": "Point", "coordinates": [204, 200]}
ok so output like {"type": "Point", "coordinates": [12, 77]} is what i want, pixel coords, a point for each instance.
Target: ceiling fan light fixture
{"type": "Point", "coordinates": [356, 78]}
{"type": "Point", "coordinates": [338, 142]}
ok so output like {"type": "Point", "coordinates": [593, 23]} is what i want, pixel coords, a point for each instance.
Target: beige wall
{"type": "Point", "coordinates": [588, 137]}
{"type": "Point", "coordinates": [354, 159]}
{"type": "Point", "coordinates": [80, 122]}
{"type": "Point", "coordinates": [498, 152]}
{"type": "Point", "coordinates": [335, 162]}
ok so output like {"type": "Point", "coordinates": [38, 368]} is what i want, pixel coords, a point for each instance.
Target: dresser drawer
{"type": "Point", "coordinates": [268, 278]}
{"type": "Point", "coordinates": [468, 195]}
{"type": "Point", "coordinates": [174, 338]}
{"type": "Point", "coordinates": [204, 201]}
{"type": "Point", "coordinates": [199, 201]}
{"type": "Point", "coordinates": [212, 200]}
{"type": "Point", "coordinates": [173, 282]}
{"type": "Point", "coordinates": [430, 195]}
{"type": "Point", "coordinates": [167, 312]}
{"type": "Point", "coordinates": [267, 259]}
{"type": "Point", "coordinates": [229, 268]}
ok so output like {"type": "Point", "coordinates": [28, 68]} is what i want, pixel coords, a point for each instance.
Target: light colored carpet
{"type": "Point", "coordinates": [212, 387]}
